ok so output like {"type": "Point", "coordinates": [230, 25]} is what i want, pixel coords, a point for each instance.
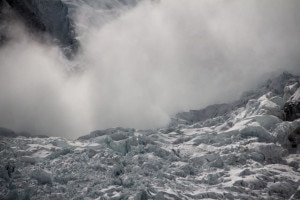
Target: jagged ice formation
{"type": "Point", "coordinates": [244, 152]}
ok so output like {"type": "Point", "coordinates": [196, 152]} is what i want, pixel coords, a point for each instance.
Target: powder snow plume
{"type": "Point", "coordinates": [145, 64]}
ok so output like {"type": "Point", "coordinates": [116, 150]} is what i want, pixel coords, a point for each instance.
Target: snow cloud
{"type": "Point", "coordinates": [151, 62]}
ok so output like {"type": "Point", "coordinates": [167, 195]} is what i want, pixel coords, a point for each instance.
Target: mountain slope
{"type": "Point", "coordinates": [241, 152]}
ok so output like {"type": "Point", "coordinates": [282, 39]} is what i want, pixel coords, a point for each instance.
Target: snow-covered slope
{"type": "Point", "coordinates": [241, 153]}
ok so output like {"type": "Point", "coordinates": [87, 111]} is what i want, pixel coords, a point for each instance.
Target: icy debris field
{"type": "Point", "coordinates": [244, 153]}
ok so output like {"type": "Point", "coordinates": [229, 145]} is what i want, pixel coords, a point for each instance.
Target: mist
{"type": "Point", "coordinates": [141, 68]}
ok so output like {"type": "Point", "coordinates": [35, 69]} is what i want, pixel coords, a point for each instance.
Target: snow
{"type": "Point", "coordinates": [296, 95]}
{"type": "Point", "coordinates": [242, 154]}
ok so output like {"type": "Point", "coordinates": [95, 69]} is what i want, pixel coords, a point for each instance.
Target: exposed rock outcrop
{"type": "Point", "coordinates": [47, 16]}
{"type": "Point", "coordinates": [57, 18]}
{"type": "Point", "coordinates": [292, 111]}
{"type": "Point", "coordinates": [292, 107]}
{"type": "Point", "coordinates": [3, 22]}
{"type": "Point", "coordinates": [294, 137]}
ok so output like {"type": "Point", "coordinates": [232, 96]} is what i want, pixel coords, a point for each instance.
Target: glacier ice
{"type": "Point", "coordinates": [230, 151]}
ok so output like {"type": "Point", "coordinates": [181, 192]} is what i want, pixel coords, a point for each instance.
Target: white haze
{"type": "Point", "coordinates": [148, 64]}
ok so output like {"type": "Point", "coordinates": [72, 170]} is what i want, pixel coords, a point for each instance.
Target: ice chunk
{"type": "Point", "coordinates": [42, 176]}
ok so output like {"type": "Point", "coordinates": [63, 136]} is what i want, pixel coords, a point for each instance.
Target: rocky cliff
{"type": "Point", "coordinates": [47, 16]}
{"type": "Point", "coordinates": [56, 18]}
{"type": "Point", "coordinates": [292, 106]}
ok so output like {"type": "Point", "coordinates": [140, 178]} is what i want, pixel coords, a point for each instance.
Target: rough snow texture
{"type": "Point", "coordinates": [243, 153]}
{"type": "Point", "coordinates": [281, 88]}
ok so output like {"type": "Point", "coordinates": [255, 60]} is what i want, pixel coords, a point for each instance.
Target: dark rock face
{"type": "Point", "coordinates": [292, 107]}
{"type": "Point", "coordinates": [27, 11]}
{"type": "Point", "coordinates": [55, 18]}
{"type": "Point", "coordinates": [294, 137]}
{"type": "Point", "coordinates": [47, 16]}
{"type": "Point", "coordinates": [2, 22]}
{"type": "Point", "coordinates": [292, 110]}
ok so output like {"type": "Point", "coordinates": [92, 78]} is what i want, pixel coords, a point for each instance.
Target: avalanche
{"type": "Point", "coordinates": [241, 151]}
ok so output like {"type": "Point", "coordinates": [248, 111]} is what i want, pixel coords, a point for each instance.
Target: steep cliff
{"type": "Point", "coordinates": [47, 16]}
{"type": "Point", "coordinates": [292, 106]}
{"type": "Point", "coordinates": [59, 18]}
